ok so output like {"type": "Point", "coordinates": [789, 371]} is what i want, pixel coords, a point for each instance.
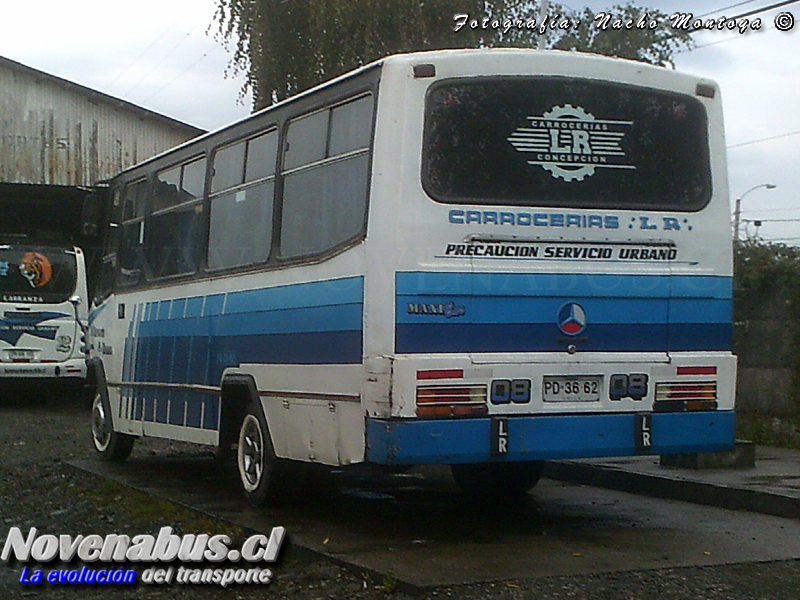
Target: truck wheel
{"type": "Point", "coordinates": [497, 479]}
{"type": "Point", "coordinates": [111, 445]}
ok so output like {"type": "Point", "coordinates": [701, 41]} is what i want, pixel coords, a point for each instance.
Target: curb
{"type": "Point", "coordinates": [674, 488]}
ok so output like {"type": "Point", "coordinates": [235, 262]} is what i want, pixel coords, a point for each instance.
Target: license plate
{"type": "Point", "coordinates": [14, 354]}
{"type": "Point", "coordinates": [572, 388]}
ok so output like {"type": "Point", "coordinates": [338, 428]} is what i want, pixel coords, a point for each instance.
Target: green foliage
{"type": "Point", "coordinates": [759, 264]}
{"type": "Point", "coordinates": [286, 46]}
{"type": "Point", "coordinates": [769, 431]}
{"type": "Point", "coordinates": [390, 584]}
{"type": "Point", "coordinates": [765, 271]}
{"type": "Point", "coordinates": [606, 33]}
{"type": "Point", "coordinates": [767, 286]}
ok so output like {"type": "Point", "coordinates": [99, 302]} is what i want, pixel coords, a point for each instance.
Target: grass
{"type": "Point", "coordinates": [390, 584]}
{"type": "Point", "coordinates": [151, 513]}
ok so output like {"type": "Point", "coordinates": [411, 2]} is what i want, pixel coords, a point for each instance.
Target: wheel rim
{"type": "Point", "coordinates": [101, 424]}
{"type": "Point", "coordinates": [251, 453]}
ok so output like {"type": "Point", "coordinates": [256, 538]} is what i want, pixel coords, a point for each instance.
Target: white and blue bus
{"type": "Point", "coordinates": [43, 312]}
{"type": "Point", "coordinates": [485, 259]}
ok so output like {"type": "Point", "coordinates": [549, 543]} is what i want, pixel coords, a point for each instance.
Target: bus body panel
{"type": "Point", "coordinates": [483, 289]}
{"type": "Point", "coordinates": [292, 331]}
{"type": "Point", "coordinates": [516, 312]}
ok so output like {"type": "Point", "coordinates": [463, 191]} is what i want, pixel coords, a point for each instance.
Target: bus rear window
{"type": "Point", "coordinates": [559, 141]}
{"type": "Point", "coordinates": [36, 274]}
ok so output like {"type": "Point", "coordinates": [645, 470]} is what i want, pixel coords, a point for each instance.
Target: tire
{"type": "Point", "coordinates": [497, 479]}
{"type": "Point", "coordinates": [258, 467]}
{"type": "Point", "coordinates": [111, 445]}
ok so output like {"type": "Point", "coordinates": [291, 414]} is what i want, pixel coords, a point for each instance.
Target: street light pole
{"type": "Point", "coordinates": [540, 39]}
{"type": "Point", "coordinates": [738, 209]}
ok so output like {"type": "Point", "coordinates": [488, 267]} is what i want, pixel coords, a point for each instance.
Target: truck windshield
{"type": "Point", "coordinates": [562, 141]}
{"type": "Point", "coordinates": [36, 274]}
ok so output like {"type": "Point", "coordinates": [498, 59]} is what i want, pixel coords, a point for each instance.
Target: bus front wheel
{"type": "Point", "coordinates": [111, 445]}
{"type": "Point", "coordinates": [504, 479]}
{"type": "Point", "coordinates": [256, 462]}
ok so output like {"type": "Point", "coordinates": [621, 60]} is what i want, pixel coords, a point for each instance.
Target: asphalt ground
{"type": "Point", "coordinates": [419, 527]}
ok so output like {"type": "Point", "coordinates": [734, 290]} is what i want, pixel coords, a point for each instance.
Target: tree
{"type": "Point", "coordinates": [286, 46]}
{"type": "Point", "coordinates": [625, 31]}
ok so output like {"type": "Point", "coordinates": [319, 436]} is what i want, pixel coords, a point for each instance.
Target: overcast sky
{"type": "Point", "coordinates": [163, 55]}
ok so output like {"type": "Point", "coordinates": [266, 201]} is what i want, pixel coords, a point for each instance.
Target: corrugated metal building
{"type": "Point", "coordinates": [56, 132]}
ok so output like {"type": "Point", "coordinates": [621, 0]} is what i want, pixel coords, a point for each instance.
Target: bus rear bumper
{"type": "Point", "coordinates": [544, 437]}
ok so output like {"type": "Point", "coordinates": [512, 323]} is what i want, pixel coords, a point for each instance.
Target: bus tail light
{"type": "Point", "coordinates": [686, 396]}
{"type": "Point", "coordinates": [440, 374]}
{"type": "Point", "coordinates": [704, 370]}
{"type": "Point", "coordinates": [452, 401]}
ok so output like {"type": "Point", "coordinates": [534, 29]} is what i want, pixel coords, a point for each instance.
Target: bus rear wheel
{"type": "Point", "coordinates": [497, 479]}
{"type": "Point", "coordinates": [256, 463]}
{"type": "Point", "coordinates": [111, 445]}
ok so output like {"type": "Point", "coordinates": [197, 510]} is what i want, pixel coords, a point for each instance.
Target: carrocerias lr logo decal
{"type": "Point", "coordinates": [571, 319]}
{"type": "Point", "coordinates": [571, 143]}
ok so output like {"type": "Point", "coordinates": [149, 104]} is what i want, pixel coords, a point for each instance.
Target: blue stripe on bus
{"type": "Point", "coordinates": [525, 337]}
{"type": "Point", "coordinates": [192, 340]}
{"type": "Point", "coordinates": [343, 317]}
{"type": "Point", "coordinates": [600, 310]}
{"type": "Point", "coordinates": [564, 284]}
{"type": "Point", "coordinates": [518, 312]}
{"type": "Point", "coordinates": [318, 294]}
{"type": "Point", "coordinates": [213, 305]}
{"type": "Point", "coordinates": [544, 437]}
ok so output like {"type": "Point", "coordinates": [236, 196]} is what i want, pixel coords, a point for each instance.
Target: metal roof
{"type": "Point", "coordinates": [100, 97]}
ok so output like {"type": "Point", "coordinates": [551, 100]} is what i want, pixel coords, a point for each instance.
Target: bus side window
{"type": "Point", "coordinates": [131, 235]}
{"type": "Point", "coordinates": [242, 201]}
{"type": "Point", "coordinates": [174, 235]}
{"type": "Point", "coordinates": [326, 173]}
{"type": "Point", "coordinates": [106, 277]}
